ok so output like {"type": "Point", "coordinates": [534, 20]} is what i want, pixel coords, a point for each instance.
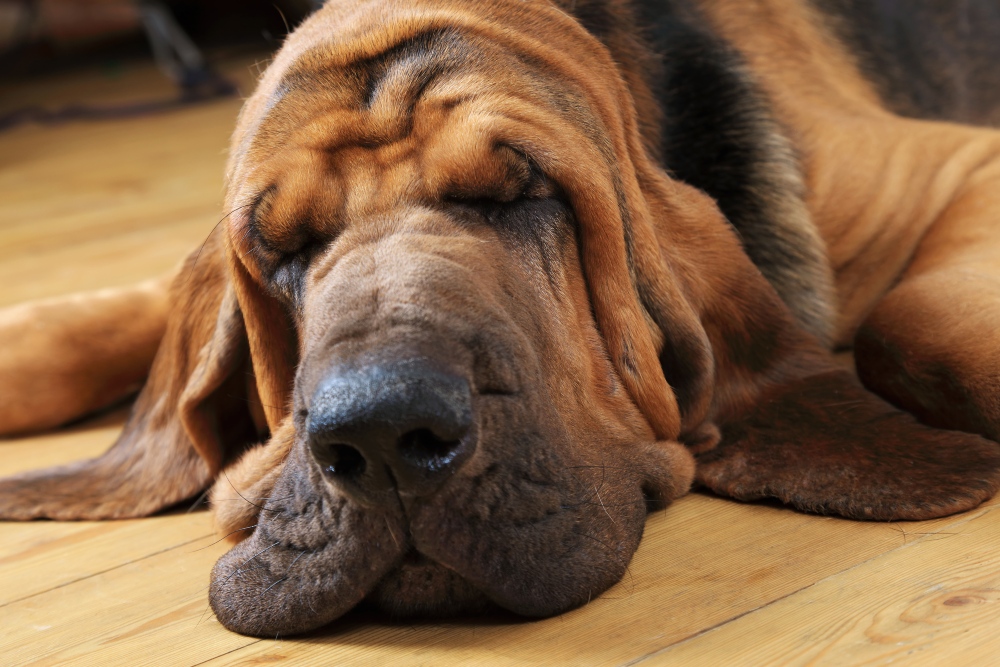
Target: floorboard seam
{"type": "Point", "coordinates": [216, 657]}
{"type": "Point", "coordinates": [636, 661]}
{"type": "Point", "coordinates": [923, 537]}
{"type": "Point", "coordinates": [110, 569]}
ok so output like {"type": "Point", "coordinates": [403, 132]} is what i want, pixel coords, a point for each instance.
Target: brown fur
{"type": "Point", "coordinates": [475, 184]}
{"type": "Point", "coordinates": [104, 343]}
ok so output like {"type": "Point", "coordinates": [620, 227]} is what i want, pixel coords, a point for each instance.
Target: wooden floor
{"type": "Point", "coordinates": [714, 582]}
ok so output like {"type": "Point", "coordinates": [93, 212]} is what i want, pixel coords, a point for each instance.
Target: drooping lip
{"type": "Point", "coordinates": [421, 587]}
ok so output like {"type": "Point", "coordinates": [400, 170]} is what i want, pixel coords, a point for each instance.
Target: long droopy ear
{"type": "Point", "coordinates": [195, 412]}
{"type": "Point", "coordinates": [242, 492]}
{"type": "Point", "coordinates": [271, 335]}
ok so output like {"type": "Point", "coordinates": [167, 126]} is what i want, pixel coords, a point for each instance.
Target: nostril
{"type": "Point", "coordinates": [395, 427]}
{"type": "Point", "coordinates": [342, 461]}
{"type": "Point", "coordinates": [426, 451]}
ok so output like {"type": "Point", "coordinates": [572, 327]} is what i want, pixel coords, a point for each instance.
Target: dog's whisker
{"type": "Point", "coordinates": [242, 567]}
{"type": "Point", "coordinates": [198, 501]}
{"type": "Point", "coordinates": [261, 552]}
{"type": "Point", "coordinates": [203, 614]}
{"type": "Point", "coordinates": [262, 508]}
{"type": "Point", "coordinates": [613, 554]}
{"type": "Point", "coordinates": [284, 20]}
{"type": "Point", "coordinates": [201, 248]}
{"type": "Point", "coordinates": [287, 572]}
{"type": "Point", "coordinates": [276, 582]}
{"type": "Point", "coordinates": [391, 533]}
{"type": "Point", "coordinates": [249, 402]}
{"type": "Point", "coordinates": [605, 507]}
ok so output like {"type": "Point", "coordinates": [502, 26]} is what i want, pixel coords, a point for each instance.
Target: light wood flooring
{"type": "Point", "coordinates": [95, 204]}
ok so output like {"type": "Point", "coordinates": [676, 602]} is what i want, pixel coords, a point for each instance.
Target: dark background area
{"type": "Point", "coordinates": [40, 37]}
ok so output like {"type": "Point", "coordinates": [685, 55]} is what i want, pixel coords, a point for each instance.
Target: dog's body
{"type": "Point", "coordinates": [484, 328]}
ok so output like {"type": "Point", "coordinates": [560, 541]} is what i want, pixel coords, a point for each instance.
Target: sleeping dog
{"type": "Point", "coordinates": [498, 278]}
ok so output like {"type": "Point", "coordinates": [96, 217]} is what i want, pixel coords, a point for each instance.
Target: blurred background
{"type": "Point", "coordinates": [47, 35]}
{"type": "Point", "coordinates": [189, 41]}
{"type": "Point", "coordinates": [114, 123]}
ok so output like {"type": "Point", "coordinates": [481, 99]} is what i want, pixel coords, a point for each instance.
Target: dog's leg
{"type": "Point", "coordinates": [932, 345]}
{"type": "Point", "coordinates": [62, 358]}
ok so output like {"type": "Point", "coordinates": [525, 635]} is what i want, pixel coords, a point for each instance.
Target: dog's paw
{"type": "Point", "coordinates": [825, 445]}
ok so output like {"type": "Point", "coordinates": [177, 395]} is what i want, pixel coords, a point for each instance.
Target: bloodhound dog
{"type": "Point", "coordinates": [497, 278]}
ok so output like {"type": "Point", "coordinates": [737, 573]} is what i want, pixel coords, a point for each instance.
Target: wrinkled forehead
{"type": "Point", "coordinates": [372, 101]}
{"type": "Point", "coordinates": [336, 82]}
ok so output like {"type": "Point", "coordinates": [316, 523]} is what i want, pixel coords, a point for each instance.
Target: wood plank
{"type": "Point", "coordinates": [71, 219]}
{"type": "Point", "coordinates": [702, 563]}
{"type": "Point", "coordinates": [83, 206]}
{"type": "Point", "coordinates": [42, 556]}
{"type": "Point", "coordinates": [149, 611]}
{"type": "Point", "coordinates": [34, 555]}
{"type": "Point", "coordinates": [934, 601]}
{"type": "Point", "coordinates": [90, 205]}
{"type": "Point", "coordinates": [96, 204]}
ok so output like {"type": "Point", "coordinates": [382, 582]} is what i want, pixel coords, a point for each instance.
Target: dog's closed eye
{"type": "Point", "coordinates": [287, 278]}
{"type": "Point", "coordinates": [522, 184]}
{"type": "Point", "coordinates": [506, 176]}
{"type": "Point", "coordinates": [282, 252]}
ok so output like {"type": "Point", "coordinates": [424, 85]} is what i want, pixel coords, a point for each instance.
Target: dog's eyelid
{"type": "Point", "coordinates": [260, 204]}
{"type": "Point", "coordinates": [253, 231]}
{"type": "Point", "coordinates": [522, 155]}
{"type": "Point", "coordinates": [284, 268]}
{"type": "Point", "coordinates": [303, 250]}
{"type": "Point", "coordinates": [303, 239]}
{"type": "Point", "coordinates": [537, 185]}
{"type": "Point", "coordinates": [287, 274]}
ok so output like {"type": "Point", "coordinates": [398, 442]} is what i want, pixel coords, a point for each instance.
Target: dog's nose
{"type": "Point", "coordinates": [402, 425]}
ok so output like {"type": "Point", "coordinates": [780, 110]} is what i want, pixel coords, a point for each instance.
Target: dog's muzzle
{"type": "Point", "coordinates": [400, 426]}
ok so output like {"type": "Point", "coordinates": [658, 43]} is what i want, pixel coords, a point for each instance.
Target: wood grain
{"type": "Point", "coordinates": [934, 601]}
{"type": "Point", "coordinates": [96, 204]}
{"type": "Point", "coordinates": [91, 205]}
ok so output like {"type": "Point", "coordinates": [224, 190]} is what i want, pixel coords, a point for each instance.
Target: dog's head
{"type": "Point", "coordinates": [433, 218]}
{"type": "Point", "coordinates": [486, 335]}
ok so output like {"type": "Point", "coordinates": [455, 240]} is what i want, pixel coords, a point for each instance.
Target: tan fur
{"type": "Point", "coordinates": [67, 356]}
{"type": "Point", "coordinates": [246, 486]}
{"type": "Point", "coordinates": [908, 210]}
{"type": "Point", "coordinates": [876, 182]}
